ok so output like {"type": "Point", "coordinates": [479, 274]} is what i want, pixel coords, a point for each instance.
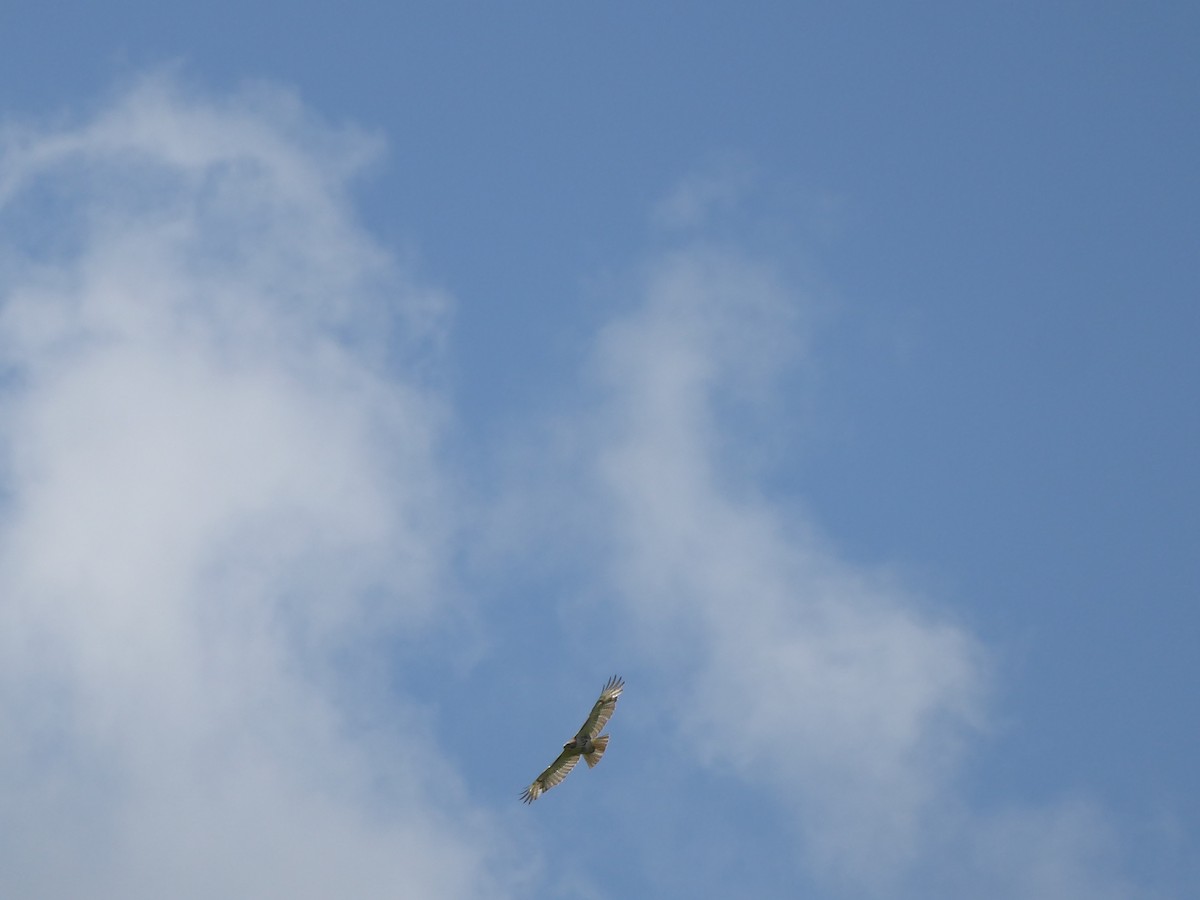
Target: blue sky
{"type": "Point", "coordinates": [378, 382]}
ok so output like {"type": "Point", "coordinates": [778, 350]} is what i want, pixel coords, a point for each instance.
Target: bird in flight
{"type": "Point", "coordinates": [589, 743]}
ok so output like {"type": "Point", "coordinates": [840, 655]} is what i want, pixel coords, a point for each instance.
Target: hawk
{"type": "Point", "coordinates": [589, 743]}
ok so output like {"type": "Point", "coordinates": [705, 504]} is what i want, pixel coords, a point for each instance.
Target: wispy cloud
{"type": "Point", "coordinates": [708, 194]}
{"type": "Point", "coordinates": [832, 689]}
{"type": "Point", "coordinates": [809, 675]}
{"type": "Point", "coordinates": [219, 480]}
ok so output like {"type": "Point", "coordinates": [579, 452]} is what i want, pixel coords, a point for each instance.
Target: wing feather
{"type": "Point", "coordinates": [603, 708]}
{"type": "Point", "coordinates": [554, 774]}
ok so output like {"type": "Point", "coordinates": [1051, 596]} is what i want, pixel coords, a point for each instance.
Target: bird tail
{"type": "Point", "coordinates": [601, 744]}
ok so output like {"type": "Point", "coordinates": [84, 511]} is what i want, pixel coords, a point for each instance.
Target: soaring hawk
{"type": "Point", "coordinates": [588, 743]}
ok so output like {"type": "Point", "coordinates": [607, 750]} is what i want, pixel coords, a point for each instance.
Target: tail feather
{"type": "Point", "coordinates": [601, 744]}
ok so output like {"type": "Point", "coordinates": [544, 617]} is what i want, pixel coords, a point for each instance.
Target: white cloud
{"type": "Point", "coordinates": [219, 479]}
{"type": "Point", "coordinates": [832, 688]}
{"type": "Point", "coordinates": [809, 674]}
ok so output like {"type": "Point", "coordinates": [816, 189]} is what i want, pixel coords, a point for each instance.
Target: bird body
{"type": "Point", "coordinates": [588, 744]}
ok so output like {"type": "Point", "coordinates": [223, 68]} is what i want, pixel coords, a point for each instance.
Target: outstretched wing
{"type": "Point", "coordinates": [603, 709]}
{"type": "Point", "coordinates": [557, 771]}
